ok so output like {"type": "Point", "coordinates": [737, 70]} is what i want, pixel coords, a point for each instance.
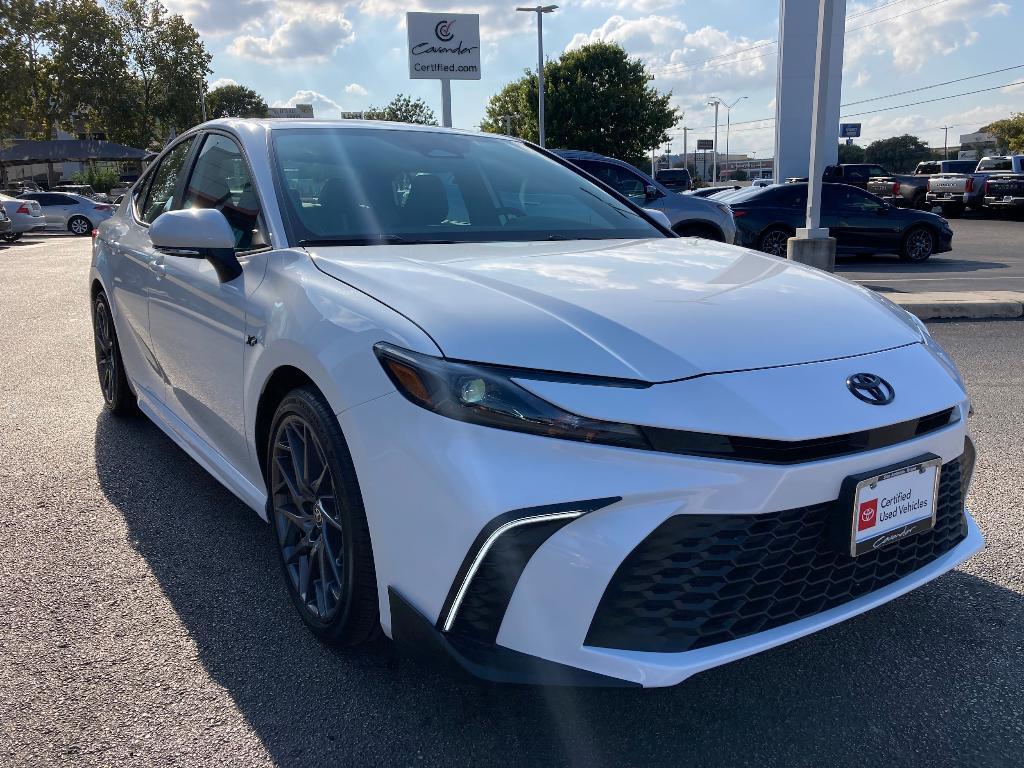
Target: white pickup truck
{"type": "Point", "coordinates": [957, 191]}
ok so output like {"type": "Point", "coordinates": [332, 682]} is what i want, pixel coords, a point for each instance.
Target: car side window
{"type": "Point", "coordinates": [856, 174]}
{"type": "Point", "coordinates": [877, 170]}
{"type": "Point", "coordinates": [616, 177]}
{"type": "Point", "coordinates": [160, 196]}
{"type": "Point", "coordinates": [221, 180]}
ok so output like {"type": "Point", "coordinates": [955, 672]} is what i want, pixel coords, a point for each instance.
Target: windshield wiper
{"type": "Point", "coordinates": [373, 240]}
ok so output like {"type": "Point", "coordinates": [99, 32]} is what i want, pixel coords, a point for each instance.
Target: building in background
{"type": "Point", "coordinates": [299, 110]}
{"type": "Point", "coordinates": [974, 146]}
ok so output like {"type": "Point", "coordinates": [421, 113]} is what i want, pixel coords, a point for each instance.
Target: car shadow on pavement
{"type": "Point", "coordinates": [938, 263]}
{"type": "Point", "coordinates": [935, 678]}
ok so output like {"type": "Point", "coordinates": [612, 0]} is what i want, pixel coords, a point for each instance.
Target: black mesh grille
{"type": "Point", "coordinates": [698, 580]}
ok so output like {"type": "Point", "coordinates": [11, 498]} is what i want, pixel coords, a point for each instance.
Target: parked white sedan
{"type": "Point", "coordinates": [497, 411]}
{"type": "Point", "coordinates": [26, 216]}
{"type": "Point", "coordinates": [66, 212]}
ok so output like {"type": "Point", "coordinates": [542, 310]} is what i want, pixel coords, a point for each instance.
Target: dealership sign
{"type": "Point", "coordinates": [849, 130]}
{"type": "Point", "coordinates": [444, 46]}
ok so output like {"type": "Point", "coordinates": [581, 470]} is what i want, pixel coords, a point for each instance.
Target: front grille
{"type": "Point", "coordinates": [699, 580]}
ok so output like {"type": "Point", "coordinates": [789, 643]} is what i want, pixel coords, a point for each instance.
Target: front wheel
{"type": "Point", "coordinates": [11, 237]}
{"type": "Point", "coordinates": [918, 245]}
{"type": "Point", "coordinates": [774, 241]}
{"type": "Point", "coordinates": [79, 225]}
{"type": "Point", "coordinates": [319, 523]}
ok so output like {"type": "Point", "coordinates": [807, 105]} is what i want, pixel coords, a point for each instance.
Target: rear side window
{"type": "Point", "coordinates": [787, 195]}
{"type": "Point", "coordinates": [160, 196]}
{"type": "Point", "coordinates": [927, 169]}
{"type": "Point", "coordinates": [996, 164]}
{"type": "Point", "coordinates": [855, 173]}
{"type": "Point", "coordinates": [221, 180]}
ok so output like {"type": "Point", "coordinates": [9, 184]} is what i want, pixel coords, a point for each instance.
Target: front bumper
{"type": "Point", "coordinates": [434, 488]}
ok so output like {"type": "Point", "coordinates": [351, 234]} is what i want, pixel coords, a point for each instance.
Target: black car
{"type": "Point", "coordinates": [709, 191]}
{"type": "Point", "coordinates": [676, 179]}
{"type": "Point", "coordinates": [859, 221]}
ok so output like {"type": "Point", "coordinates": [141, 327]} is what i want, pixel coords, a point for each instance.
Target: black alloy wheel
{"type": "Point", "coordinates": [117, 394]}
{"type": "Point", "coordinates": [79, 225]}
{"type": "Point", "coordinates": [318, 521]}
{"type": "Point", "coordinates": [918, 245]}
{"type": "Point", "coordinates": [774, 242]}
{"type": "Point", "coordinates": [11, 237]}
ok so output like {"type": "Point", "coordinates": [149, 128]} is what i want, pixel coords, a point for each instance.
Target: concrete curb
{"type": "Point", "coordinates": [970, 305]}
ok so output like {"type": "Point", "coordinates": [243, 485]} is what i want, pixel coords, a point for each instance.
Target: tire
{"type": "Point", "coordinates": [79, 225]}
{"type": "Point", "coordinates": [11, 237]}
{"type": "Point", "coordinates": [117, 394]}
{"type": "Point", "coordinates": [706, 231]}
{"type": "Point", "coordinates": [920, 203]}
{"type": "Point", "coordinates": [952, 211]}
{"type": "Point", "coordinates": [318, 522]}
{"type": "Point", "coordinates": [918, 245]}
{"type": "Point", "coordinates": [773, 241]}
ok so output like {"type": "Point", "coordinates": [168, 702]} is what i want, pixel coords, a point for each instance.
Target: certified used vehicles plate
{"type": "Point", "coordinates": [892, 504]}
{"type": "Point", "coordinates": [1007, 198]}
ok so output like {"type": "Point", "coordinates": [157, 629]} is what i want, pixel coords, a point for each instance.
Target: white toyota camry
{"type": "Point", "coordinates": [493, 409]}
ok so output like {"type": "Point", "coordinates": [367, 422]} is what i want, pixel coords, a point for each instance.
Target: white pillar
{"type": "Point", "coordinates": [798, 37]}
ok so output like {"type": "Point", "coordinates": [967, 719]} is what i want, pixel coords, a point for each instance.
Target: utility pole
{"type": "Point", "coordinates": [945, 141]}
{"type": "Point", "coordinates": [714, 149]}
{"type": "Point", "coordinates": [507, 122]}
{"type": "Point", "coordinates": [540, 10]}
{"type": "Point", "coordinates": [686, 160]}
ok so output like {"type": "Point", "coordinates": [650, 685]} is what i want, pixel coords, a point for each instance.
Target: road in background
{"type": "Point", "coordinates": [145, 620]}
{"type": "Point", "coordinates": [987, 255]}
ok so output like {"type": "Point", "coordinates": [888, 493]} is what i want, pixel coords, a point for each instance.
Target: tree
{"type": "Point", "coordinates": [403, 109]}
{"type": "Point", "coordinates": [740, 175]}
{"type": "Point", "coordinates": [851, 153]}
{"type": "Point", "coordinates": [899, 154]}
{"type": "Point", "coordinates": [1009, 132]}
{"type": "Point", "coordinates": [235, 101]}
{"type": "Point", "coordinates": [597, 98]}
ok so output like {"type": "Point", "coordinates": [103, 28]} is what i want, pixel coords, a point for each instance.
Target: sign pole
{"type": "Point", "coordinates": [446, 103]}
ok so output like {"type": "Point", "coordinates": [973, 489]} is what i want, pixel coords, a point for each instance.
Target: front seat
{"type": "Point", "coordinates": [427, 201]}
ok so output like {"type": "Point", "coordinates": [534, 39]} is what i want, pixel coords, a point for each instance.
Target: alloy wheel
{"type": "Point", "coordinates": [774, 243]}
{"type": "Point", "coordinates": [106, 359]}
{"type": "Point", "coordinates": [307, 518]}
{"type": "Point", "coordinates": [919, 245]}
{"type": "Point", "coordinates": [79, 226]}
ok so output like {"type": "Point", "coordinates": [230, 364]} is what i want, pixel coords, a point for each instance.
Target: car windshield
{"type": "Point", "coordinates": [364, 186]}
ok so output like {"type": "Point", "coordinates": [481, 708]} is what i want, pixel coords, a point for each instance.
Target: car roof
{"type": "Point", "coordinates": [292, 123]}
{"type": "Point", "coordinates": [582, 154]}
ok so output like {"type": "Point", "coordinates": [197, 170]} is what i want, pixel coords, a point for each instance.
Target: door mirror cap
{"type": "Point", "coordinates": [198, 233]}
{"type": "Point", "coordinates": [651, 192]}
{"type": "Point", "coordinates": [659, 217]}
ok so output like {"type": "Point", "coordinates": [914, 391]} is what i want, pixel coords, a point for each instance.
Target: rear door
{"type": "Point", "coordinates": [860, 222]}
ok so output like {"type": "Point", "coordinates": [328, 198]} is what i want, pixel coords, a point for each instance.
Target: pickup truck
{"type": "Point", "coordinates": [911, 190]}
{"type": "Point", "coordinates": [957, 191]}
{"type": "Point", "coordinates": [1004, 187]}
{"type": "Point", "coordinates": [854, 174]}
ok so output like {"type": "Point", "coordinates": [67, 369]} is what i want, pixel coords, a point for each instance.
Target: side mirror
{"type": "Point", "coordinates": [198, 233]}
{"type": "Point", "coordinates": [651, 192]}
{"type": "Point", "coordinates": [659, 217]}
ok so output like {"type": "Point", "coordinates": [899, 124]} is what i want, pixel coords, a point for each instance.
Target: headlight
{"type": "Point", "coordinates": [484, 395]}
{"type": "Point", "coordinates": [936, 349]}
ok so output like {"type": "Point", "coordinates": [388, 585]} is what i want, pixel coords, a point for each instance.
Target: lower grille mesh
{"type": "Point", "coordinates": [699, 580]}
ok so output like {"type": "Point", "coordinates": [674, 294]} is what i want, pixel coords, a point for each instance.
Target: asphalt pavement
{"type": "Point", "coordinates": [987, 255]}
{"type": "Point", "coordinates": [145, 621]}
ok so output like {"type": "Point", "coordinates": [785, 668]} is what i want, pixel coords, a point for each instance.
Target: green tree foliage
{"type": "Point", "coordinates": [403, 109]}
{"type": "Point", "coordinates": [596, 98]}
{"type": "Point", "coordinates": [899, 154]}
{"type": "Point", "coordinates": [100, 179]}
{"type": "Point", "coordinates": [1009, 132]}
{"type": "Point", "coordinates": [124, 67]}
{"type": "Point", "coordinates": [235, 101]}
{"type": "Point", "coordinates": [851, 153]}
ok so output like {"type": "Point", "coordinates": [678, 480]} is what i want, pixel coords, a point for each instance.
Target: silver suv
{"type": "Point", "coordinates": [688, 216]}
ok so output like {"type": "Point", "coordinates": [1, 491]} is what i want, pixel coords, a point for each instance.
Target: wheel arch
{"type": "Point", "coordinates": [282, 380]}
{"type": "Point", "coordinates": [691, 227]}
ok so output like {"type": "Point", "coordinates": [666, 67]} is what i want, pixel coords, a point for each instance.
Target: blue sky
{"type": "Point", "coordinates": [349, 55]}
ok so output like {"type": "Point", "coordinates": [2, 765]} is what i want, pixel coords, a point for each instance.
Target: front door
{"type": "Point", "coordinates": [198, 323]}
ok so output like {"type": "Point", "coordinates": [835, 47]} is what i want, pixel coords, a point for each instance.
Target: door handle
{"type": "Point", "coordinates": [157, 268]}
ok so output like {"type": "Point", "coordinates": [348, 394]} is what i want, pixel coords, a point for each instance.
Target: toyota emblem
{"type": "Point", "coordinates": [871, 388]}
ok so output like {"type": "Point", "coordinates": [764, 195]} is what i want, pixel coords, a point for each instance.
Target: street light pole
{"type": "Point", "coordinates": [540, 10]}
{"type": "Point", "coordinates": [714, 149]}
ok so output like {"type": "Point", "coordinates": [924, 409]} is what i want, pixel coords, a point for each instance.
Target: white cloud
{"type": "Point", "coordinates": [911, 40]}
{"type": "Point", "coordinates": [355, 89]}
{"type": "Point", "coordinates": [323, 106]}
{"type": "Point", "coordinates": [220, 17]}
{"type": "Point", "coordinates": [295, 31]}
{"type": "Point", "coordinates": [220, 82]}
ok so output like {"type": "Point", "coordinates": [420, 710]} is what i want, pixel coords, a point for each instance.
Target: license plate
{"type": "Point", "coordinates": [1007, 198]}
{"type": "Point", "coordinates": [893, 504]}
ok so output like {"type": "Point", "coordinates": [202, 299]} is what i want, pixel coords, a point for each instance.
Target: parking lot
{"type": "Point", "coordinates": [146, 619]}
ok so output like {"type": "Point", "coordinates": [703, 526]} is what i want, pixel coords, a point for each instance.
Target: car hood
{"type": "Point", "coordinates": [656, 310]}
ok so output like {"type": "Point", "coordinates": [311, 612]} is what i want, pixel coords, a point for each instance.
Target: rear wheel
{"type": "Point", "coordinates": [319, 523]}
{"type": "Point", "coordinates": [79, 225]}
{"type": "Point", "coordinates": [920, 203]}
{"type": "Point", "coordinates": [952, 211]}
{"type": "Point", "coordinates": [117, 394]}
{"type": "Point", "coordinates": [918, 245]}
{"type": "Point", "coordinates": [11, 237]}
{"type": "Point", "coordinates": [774, 241]}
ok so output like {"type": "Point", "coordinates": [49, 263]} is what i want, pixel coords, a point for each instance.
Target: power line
{"type": "Point", "coordinates": [931, 101]}
{"type": "Point", "coordinates": [936, 85]}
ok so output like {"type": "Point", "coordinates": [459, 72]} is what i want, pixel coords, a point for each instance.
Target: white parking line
{"type": "Point", "coordinates": [946, 279]}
